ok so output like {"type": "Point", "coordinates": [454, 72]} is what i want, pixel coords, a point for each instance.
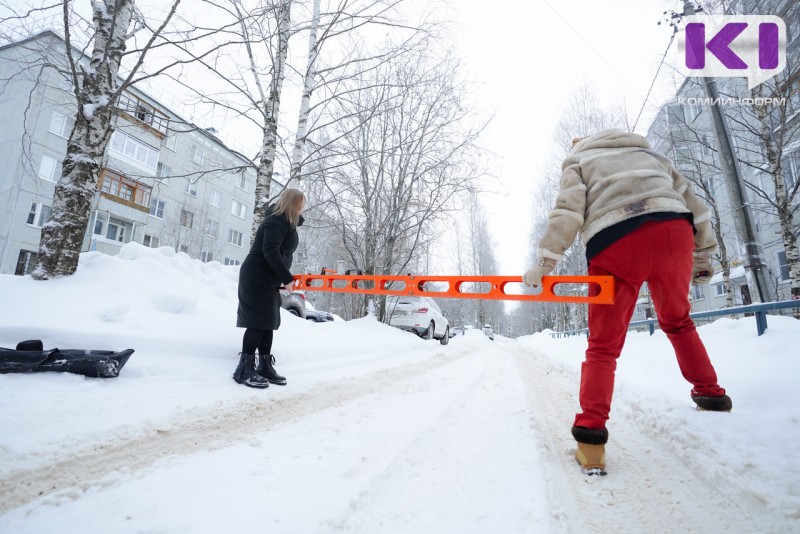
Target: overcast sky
{"type": "Point", "coordinates": [526, 56]}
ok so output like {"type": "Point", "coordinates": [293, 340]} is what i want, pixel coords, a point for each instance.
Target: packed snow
{"type": "Point", "coordinates": [377, 430]}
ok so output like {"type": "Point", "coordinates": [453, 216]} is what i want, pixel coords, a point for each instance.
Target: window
{"type": "Point", "coordinates": [697, 293]}
{"type": "Point", "coordinates": [111, 229]}
{"type": "Point", "coordinates": [187, 219]}
{"type": "Point", "coordinates": [144, 112]}
{"type": "Point", "coordinates": [212, 228]}
{"type": "Point", "coordinates": [38, 215]}
{"type": "Point", "coordinates": [184, 249]}
{"type": "Point", "coordinates": [783, 266]}
{"type": "Point", "coordinates": [238, 209]}
{"type": "Point", "coordinates": [198, 155]}
{"type": "Point", "coordinates": [163, 172]}
{"type": "Point", "coordinates": [150, 241]}
{"type": "Point", "coordinates": [229, 261]}
{"type": "Point", "coordinates": [675, 114]}
{"type": "Point", "coordinates": [242, 183]}
{"type": "Point", "coordinates": [692, 112]}
{"type": "Point", "coordinates": [61, 125]}
{"type": "Point", "coordinates": [683, 153]}
{"type": "Point", "coordinates": [206, 256]}
{"type": "Point", "coordinates": [215, 198]}
{"type": "Point", "coordinates": [170, 142]}
{"type": "Point", "coordinates": [157, 208]}
{"type": "Point", "coordinates": [792, 29]}
{"type": "Point", "coordinates": [191, 188]}
{"type": "Point", "coordinates": [115, 230]}
{"type": "Point", "coordinates": [25, 262]}
{"type": "Point", "coordinates": [791, 170]}
{"type": "Point", "coordinates": [100, 219]}
{"type": "Point", "coordinates": [121, 187]}
{"type": "Point", "coordinates": [134, 150]}
{"type": "Point", "coordinates": [719, 290]}
{"type": "Point", "coordinates": [705, 147]}
{"type": "Point", "coordinates": [47, 169]}
{"type": "Point", "coordinates": [794, 92]}
{"type": "Point", "coordinates": [235, 237]}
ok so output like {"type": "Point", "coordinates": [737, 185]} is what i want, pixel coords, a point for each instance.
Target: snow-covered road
{"type": "Point", "coordinates": [474, 438]}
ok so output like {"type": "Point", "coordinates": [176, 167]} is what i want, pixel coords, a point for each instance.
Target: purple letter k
{"type": "Point", "coordinates": [718, 45]}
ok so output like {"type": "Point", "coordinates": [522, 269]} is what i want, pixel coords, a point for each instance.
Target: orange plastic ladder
{"type": "Point", "coordinates": [600, 288]}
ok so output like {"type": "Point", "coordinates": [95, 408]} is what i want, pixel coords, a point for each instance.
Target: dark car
{"type": "Point", "coordinates": [293, 302]}
{"type": "Point", "coordinates": [319, 316]}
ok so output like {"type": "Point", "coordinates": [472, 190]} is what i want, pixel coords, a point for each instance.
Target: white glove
{"type": "Point", "coordinates": [533, 277]}
{"type": "Point", "coordinates": [702, 271]}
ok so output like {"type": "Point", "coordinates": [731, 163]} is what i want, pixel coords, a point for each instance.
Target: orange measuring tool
{"type": "Point", "coordinates": [600, 288]}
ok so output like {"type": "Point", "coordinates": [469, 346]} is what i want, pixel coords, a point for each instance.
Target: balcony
{"type": "Point", "coordinates": [142, 113]}
{"type": "Point", "coordinates": [124, 190]}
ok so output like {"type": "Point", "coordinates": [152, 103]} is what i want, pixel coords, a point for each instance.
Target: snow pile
{"type": "Point", "coordinates": [378, 430]}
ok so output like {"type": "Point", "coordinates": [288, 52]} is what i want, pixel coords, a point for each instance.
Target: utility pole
{"type": "Point", "coordinates": [742, 216]}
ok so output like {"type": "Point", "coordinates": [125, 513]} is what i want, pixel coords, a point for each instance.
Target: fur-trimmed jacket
{"type": "Point", "coordinates": [613, 176]}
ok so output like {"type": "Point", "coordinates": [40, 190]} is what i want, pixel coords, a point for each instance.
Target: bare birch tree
{"type": "Point", "coordinates": [339, 30]}
{"type": "Point", "coordinates": [406, 148]}
{"type": "Point", "coordinates": [269, 106]}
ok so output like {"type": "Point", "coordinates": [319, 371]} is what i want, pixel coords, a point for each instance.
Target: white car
{"type": "Point", "coordinates": [420, 315]}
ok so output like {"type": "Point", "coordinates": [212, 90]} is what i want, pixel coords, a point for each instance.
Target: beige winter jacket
{"type": "Point", "coordinates": [613, 176]}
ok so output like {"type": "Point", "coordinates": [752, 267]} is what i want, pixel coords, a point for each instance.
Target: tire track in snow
{"type": "Point", "coordinates": [199, 430]}
{"type": "Point", "coordinates": [472, 467]}
{"type": "Point", "coordinates": [648, 488]}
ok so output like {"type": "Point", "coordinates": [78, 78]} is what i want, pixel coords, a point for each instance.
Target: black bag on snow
{"type": "Point", "coordinates": [29, 357]}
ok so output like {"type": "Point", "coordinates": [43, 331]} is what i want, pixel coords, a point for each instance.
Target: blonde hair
{"type": "Point", "coordinates": [290, 204]}
{"type": "Point", "coordinates": [577, 140]}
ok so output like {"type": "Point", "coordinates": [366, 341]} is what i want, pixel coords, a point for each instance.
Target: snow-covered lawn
{"type": "Point", "coordinates": [377, 431]}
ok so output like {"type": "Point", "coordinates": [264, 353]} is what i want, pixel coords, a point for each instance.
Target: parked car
{"type": "Point", "coordinates": [489, 331]}
{"type": "Point", "coordinates": [318, 316]}
{"type": "Point", "coordinates": [294, 302]}
{"type": "Point", "coordinates": [420, 315]}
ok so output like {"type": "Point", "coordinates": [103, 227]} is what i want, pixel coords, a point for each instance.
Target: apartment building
{"type": "Point", "coordinates": [164, 181]}
{"type": "Point", "coordinates": [684, 131]}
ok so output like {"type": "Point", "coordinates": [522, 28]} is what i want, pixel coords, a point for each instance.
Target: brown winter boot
{"type": "Point", "coordinates": [591, 453]}
{"type": "Point", "coordinates": [591, 458]}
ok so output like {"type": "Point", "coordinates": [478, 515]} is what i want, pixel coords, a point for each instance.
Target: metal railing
{"type": "Point", "coordinates": [759, 311]}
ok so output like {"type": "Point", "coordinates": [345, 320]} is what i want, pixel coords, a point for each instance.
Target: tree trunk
{"type": "Point", "coordinates": [266, 156]}
{"type": "Point", "coordinates": [305, 101]}
{"type": "Point", "coordinates": [63, 233]}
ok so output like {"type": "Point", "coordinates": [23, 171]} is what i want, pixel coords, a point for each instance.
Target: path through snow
{"type": "Point", "coordinates": [469, 418]}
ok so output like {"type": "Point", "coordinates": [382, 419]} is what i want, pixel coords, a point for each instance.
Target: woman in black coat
{"type": "Point", "coordinates": [263, 272]}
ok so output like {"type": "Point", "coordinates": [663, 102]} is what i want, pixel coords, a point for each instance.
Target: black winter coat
{"type": "Point", "coordinates": [266, 268]}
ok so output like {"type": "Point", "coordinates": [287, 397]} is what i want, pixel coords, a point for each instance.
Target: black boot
{"type": "Point", "coordinates": [721, 403]}
{"type": "Point", "coordinates": [266, 370]}
{"type": "Point", "coordinates": [245, 373]}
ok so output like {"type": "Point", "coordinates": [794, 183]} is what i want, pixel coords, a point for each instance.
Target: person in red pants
{"type": "Point", "coordinates": [640, 222]}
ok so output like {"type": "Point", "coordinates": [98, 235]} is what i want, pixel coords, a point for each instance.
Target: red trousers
{"type": "Point", "coordinates": [659, 253]}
